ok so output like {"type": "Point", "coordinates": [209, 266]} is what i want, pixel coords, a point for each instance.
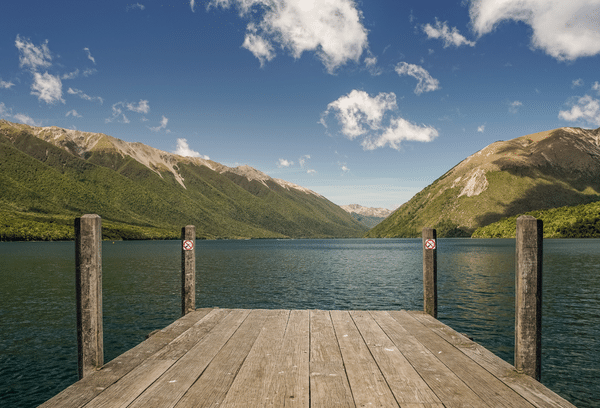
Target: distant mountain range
{"type": "Point", "coordinates": [49, 175]}
{"type": "Point", "coordinates": [367, 216]}
{"type": "Point", "coordinates": [545, 170]}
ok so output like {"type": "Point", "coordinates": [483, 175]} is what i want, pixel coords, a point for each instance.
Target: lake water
{"type": "Point", "coordinates": [141, 284]}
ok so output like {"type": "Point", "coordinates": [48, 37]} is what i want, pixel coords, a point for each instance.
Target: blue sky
{"type": "Point", "coordinates": [364, 102]}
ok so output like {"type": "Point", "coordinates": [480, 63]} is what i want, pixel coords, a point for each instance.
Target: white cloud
{"type": "Point", "coordinates": [586, 108]}
{"type": "Point", "coordinates": [3, 110]}
{"type": "Point", "coordinates": [261, 48]}
{"type": "Point", "coordinates": [311, 171]}
{"type": "Point", "coordinates": [577, 82]}
{"type": "Point", "coordinates": [357, 110]}
{"type": "Point", "coordinates": [426, 83]}
{"type": "Point", "coordinates": [398, 131]}
{"type": "Point", "coordinates": [135, 6]}
{"type": "Point", "coordinates": [192, 5]}
{"type": "Point", "coordinates": [330, 28]}
{"type": "Point", "coordinates": [142, 106]}
{"type": "Point", "coordinates": [450, 36]}
{"type": "Point", "coordinates": [362, 115]}
{"type": "Point", "coordinates": [82, 95]}
{"type": "Point", "coordinates": [302, 160]}
{"type": "Point", "coordinates": [26, 120]}
{"type": "Point", "coordinates": [89, 55]}
{"type": "Point", "coordinates": [73, 113]}
{"type": "Point", "coordinates": [163, 125]}
{"type": "Point", "coordinates": [343, 167]}
{"type": "Point", "coordinates": [371, 64]}
{"type": "Point", "coordinates": [5, 85]}
{"type": "Point", "coordinates": [596, 87]}
{"type": "Point", "coordinates": [284, 163]}
{"type": "Point", "coordinates": [566, 30]}
{"type": "Point", "coordinates": [89, 71]}
{"type": "Point", "coordinates": [47, 88]}
{"type": "Point", "coordinates": [32, 56]}
{"type": "Point", "coordinates": [118, 114]}
{"type": "Point", "coordinates": [183, 149]}
{"type": "Point", "coordinates": [71, 75]}
{"type": "Point", "coordinates": [481, 128]}
{"type": "Point", "coordinates": [513, 107]}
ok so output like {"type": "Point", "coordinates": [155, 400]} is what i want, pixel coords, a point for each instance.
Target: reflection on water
{"type": "Point", "coordinates": [141, 285]}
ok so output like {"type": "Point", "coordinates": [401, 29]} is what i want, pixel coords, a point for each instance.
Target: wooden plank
{"type": "Point", "coordinates": [174, 383]}
{"type": "Point", "coordinates": [405, 382]}
{"type": "Point", "coordinates": [368, 385]}
{"type": "Point", "coordinates": [254, 380]}
{"type": "Point", "coordinates": [83, 391]}
{"type": "Point", "coordinates": [494, 392]}
{"type": "Point", "coordinates": [291, 386]}
{"type": "Point", "coordinates": [329, 385]}
{"type": "Point", "coordinates": [214, 383]}
{"type": "Point", "coordinates": [533, 391]}
{"type": "Point", "coordinates": [444, 383]}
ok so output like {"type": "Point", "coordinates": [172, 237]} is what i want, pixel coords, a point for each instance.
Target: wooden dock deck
{"type": "Point", "coordinates": [307, 358]}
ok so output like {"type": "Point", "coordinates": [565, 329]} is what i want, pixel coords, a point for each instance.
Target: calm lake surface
{"type": "Point", "coordinates": [141, 284]}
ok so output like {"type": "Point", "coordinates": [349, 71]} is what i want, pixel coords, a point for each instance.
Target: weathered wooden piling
{"type": "Point", "coordinates": [430, 271]}
{"type": "Point", "coordinates": [528, 296]}
{"type": "Point", "coordinates": [88, 281]}
{"type": "Point", "coordinates": [188, 269]}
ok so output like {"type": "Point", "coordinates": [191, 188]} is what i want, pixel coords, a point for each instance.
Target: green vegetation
{"type": "Point", "coordinates": [43, 188]}
{"type": "Point", "coordinates": [581, 221]}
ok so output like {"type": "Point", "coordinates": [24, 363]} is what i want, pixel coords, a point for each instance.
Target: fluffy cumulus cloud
{"type": "Point", "coordinates": [330, 28]}
{"type": "Point", "coordinates": [426, 83]}
{"type": "Point", "coordinates": [450, 36]}
{"type": "Point", "coordinates": [141, 107]}
{"type": "Point", "coordinates": [183, 149]}
{"type": "Point", "coordinates": [585, 108]}
{"type": "Point", "coordinates": [31, 56]}
{"type": "Point", "coordinates": [47, 88]}
{"type": "Point", "coordinates": [284, 163]}
{"type": "Point", "coordinates": [360, 114]}
{"type": "Point", "coordinates": [566, 30]}
{"type": "Point", "coordinates": [26, 119]}
{"type": "Point", "coordinates": [82, 95]}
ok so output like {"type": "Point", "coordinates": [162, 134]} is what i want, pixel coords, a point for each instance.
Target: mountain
{"type": "Point", "coordinates": [550, 169]}
{"type": "Point", "coordinates": [50, 175]}
{"type": "Point", "coordinates": [367, 216]}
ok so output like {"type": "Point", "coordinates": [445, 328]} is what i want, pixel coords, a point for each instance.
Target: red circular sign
{"type": "Point", "coordinates": [430, 244]}
{"type": "Point", "coordinates": [188, 244]}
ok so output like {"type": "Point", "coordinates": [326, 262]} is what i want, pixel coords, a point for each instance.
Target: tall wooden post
{"type": "Point", "coordinates": [430, 271]}
{"type": "Point", "coordinates": [188, 269]}
{"type": "Point", "coordinates": [528, 296]}
{"type": "Point", "coordinates": [88, 282]}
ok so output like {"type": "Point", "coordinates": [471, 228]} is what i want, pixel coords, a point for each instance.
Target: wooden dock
{"type": "Point", "coordinates": [307, 358]}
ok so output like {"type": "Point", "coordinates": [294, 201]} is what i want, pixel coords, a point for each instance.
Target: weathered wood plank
{"type": "Point", "coordinates": [405, 382]}
{"type": "Point", "coordinates": [291, 386]}
{"type": "Point", "coordinates": [444, 383]}
{"type": "Point", "coordinates": [530, 389]}
{"type": "Point", "coordinates": [368, 385]}
{"type": "Point", "coordinates": [328, 382]}
{"type": "Point", "coordinates": [89, 387]}
{"type": "Point", "coordinates": [484, 384]}
{"type": "Point", "coordinates": [175, 382]}
{"type": "Point", "coordinates": [254, 380]}
{"type": "Point", "coordinates": [214, 383]}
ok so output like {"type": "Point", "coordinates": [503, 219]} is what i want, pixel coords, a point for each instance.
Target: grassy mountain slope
{"type": "Point", "coordinates": [48, 176]}
{"type": "Point", "coordinates": [534, 172]}
{"type": "Point", "coordinates": [581, 221]}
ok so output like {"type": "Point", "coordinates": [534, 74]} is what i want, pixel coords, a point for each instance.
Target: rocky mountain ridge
{"type": "Point", "coordinates": [367, 211]}
{"type": "Point", "coordinates": [539, 171]}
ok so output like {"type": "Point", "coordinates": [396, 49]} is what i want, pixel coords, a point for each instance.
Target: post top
{"type": "Point", "coordinates": [90, 216]}
{"type": "Point", "coordinates": [526, 217]}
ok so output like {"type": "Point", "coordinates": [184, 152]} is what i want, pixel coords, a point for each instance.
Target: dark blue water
{"type": "Point", "coordinates": [141, 283]}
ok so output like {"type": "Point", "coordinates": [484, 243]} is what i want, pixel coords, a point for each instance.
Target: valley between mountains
{"type": "Point", "coordinates": [50, 175]}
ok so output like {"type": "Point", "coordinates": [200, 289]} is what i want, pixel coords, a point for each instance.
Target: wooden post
{"type": "Point", "coordinates": [430, 271]}
{"type": "Point", "coordinates": [188, 269]}
{"type": "Point", "coordinates": [88, 282]}
{"type": "Point", "coordinates": [528, 296]}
